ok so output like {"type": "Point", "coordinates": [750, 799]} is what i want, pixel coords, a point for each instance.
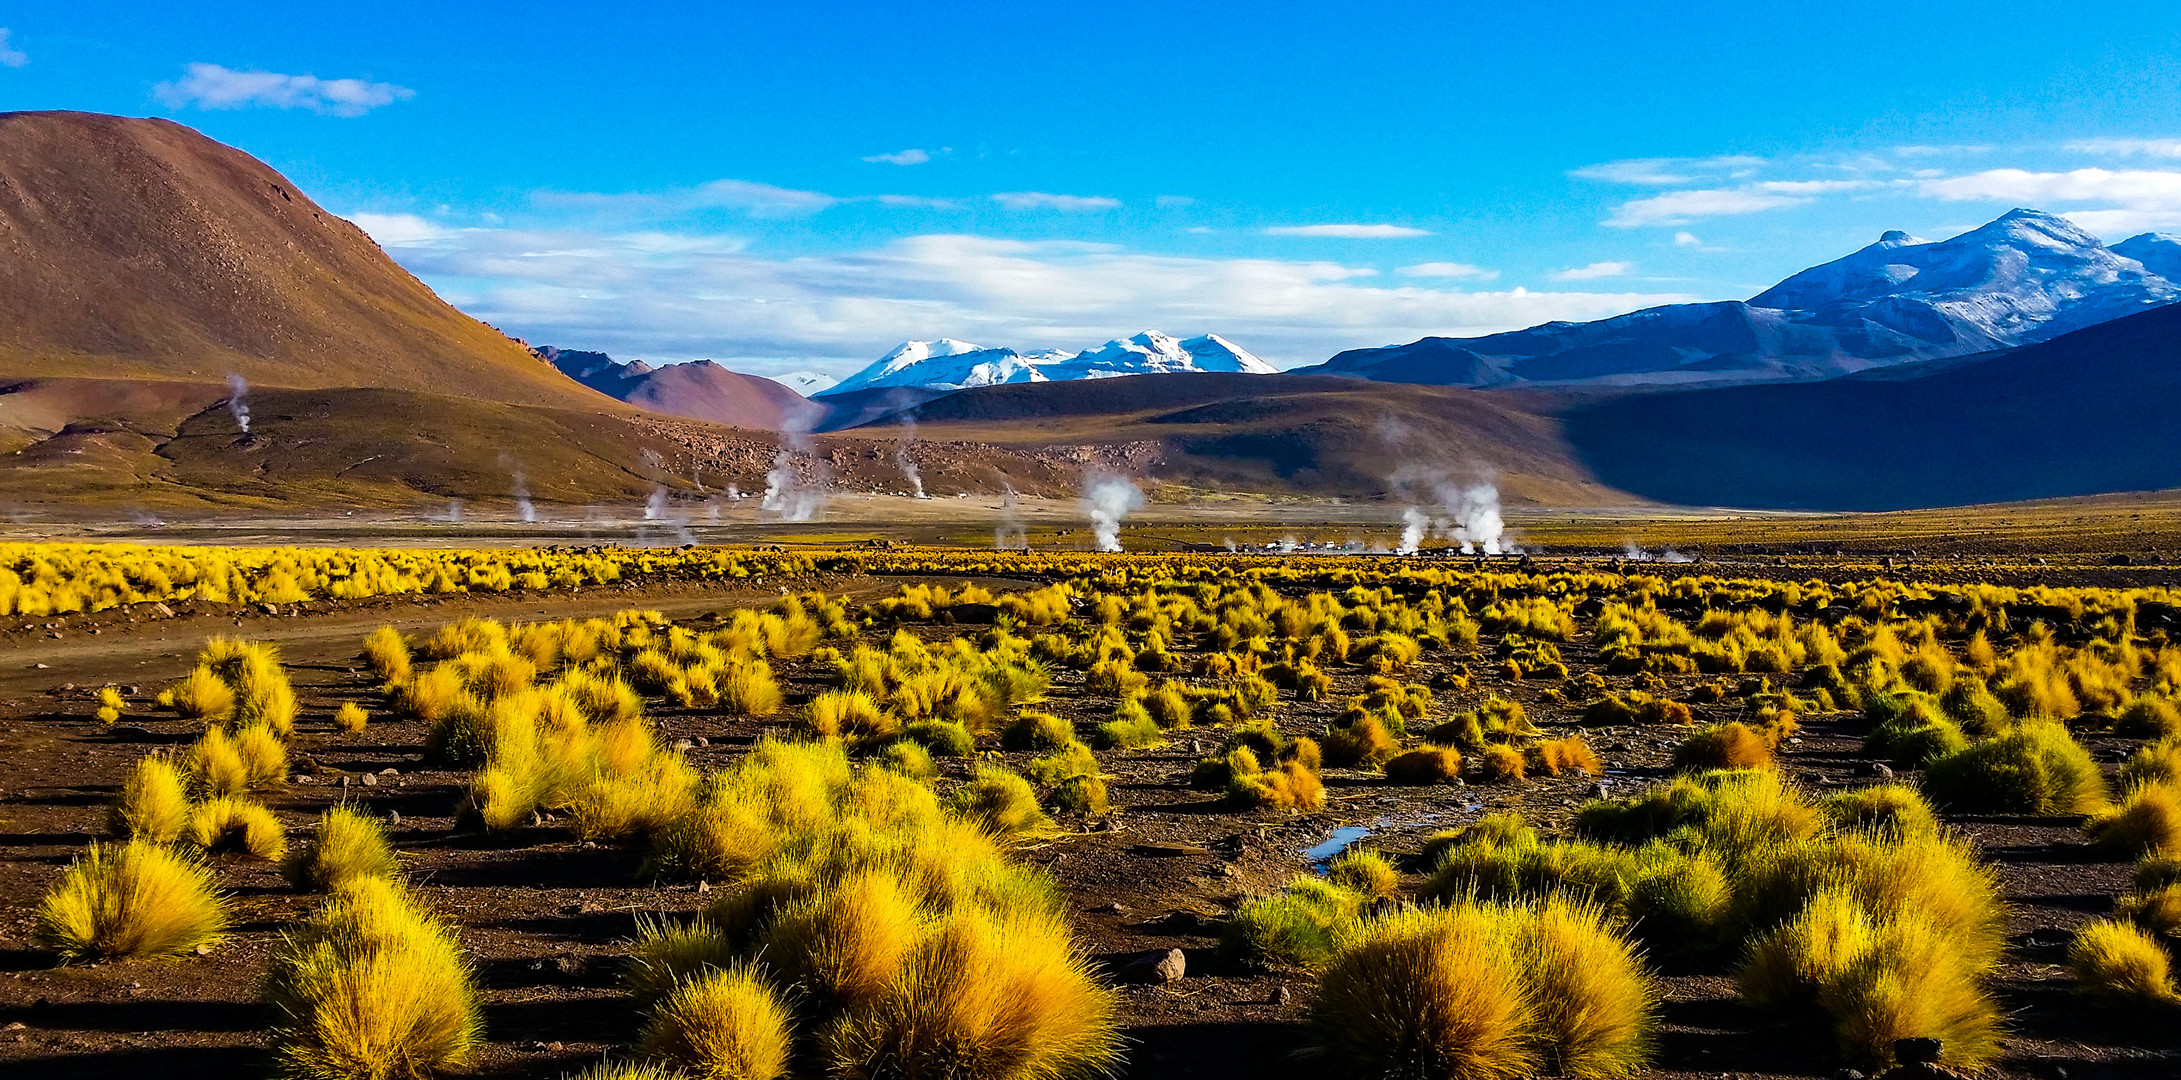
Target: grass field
{"type": "Point", "coordinates": [771, 810]}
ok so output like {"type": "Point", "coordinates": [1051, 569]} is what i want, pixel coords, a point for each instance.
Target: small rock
{"type": "Point", "coordinates": [204, 950]}
{"type": "Point", "coordinates": [393, 819]}
{"type": "Point", "coordinates": [1916, 1051]}
{"type": "Point", "coordinates": [1227, 870]}
{"type": "Point", "coordinates": [16, 1026]}
{"type": "Point", "coordinates": [344, 779]}
{"type": "Point", "coordinates": [368, 780]}
{"type": "Point", "coordinates": [1183, 920]}
{"type": "Point", "coordinates": [303, 778]}
{"type": "Point", "coordinates": [389, 772]}
{"type": "Point", "coordinates": [702, 741]}
{"type": "Point", "coordinates": [1114, 908]}
{"type": "Point", "coordinates": [684, 744]}
{"type": "Point", "coordinates": [39, 667]}
{"type": "Point", "coordinates": [164, 611]}
{"type": "Point", "coordinates": [555, 1047]}
{"type": "Point", "coordinates": [1279, 995]}
{"type": "Point", "coordinates": [1156, 967]}
{"type": "Point", "coordinates": [703, 887]}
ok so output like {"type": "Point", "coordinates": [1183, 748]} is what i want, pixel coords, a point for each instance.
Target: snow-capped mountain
{"type": "Point", "coordinates": [2160, 253]}
{"type": "Point", "coordinates": [806, 383]}
{"type": "Point", "coordinates": [2025, 277]}
{"type": "Point", "coordinates": [948, 364]}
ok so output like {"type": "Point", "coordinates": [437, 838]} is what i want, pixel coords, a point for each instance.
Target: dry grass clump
{"type": "Point", "coordinates": [373, 986]}
{"type": "Point", "coordinates": [1637, 707]}
{"type": "Point", "coordinates": [235, 823]}
{"type": "Point", "coordinates": [1366, 873]}
{"type": "Point", "coordinates": [851, 714]}
{"type": "Point", "coordinates": [202, 695]}
{"type": "Point", "coordinates": [350, 718]}
{"type": "Point", "coordinates": [1895, 808]}
{"type": "Point", "coordinates": [943, 738]}
{"type": "Point", "coordinates": [910, 945]}
{"type": "Point", "coordinates": [1292, 783]}
{"type": "Point", "coordinates": [1425, 765]}
{"type": "Point", "coordinates": [386, 653]}
{"type": "Point", "coordinates": [1732, 745]}
{"type": "Point", "coordinates": [726, 1023]}
{"type": "Point", "coordinates": [1035, 730]}
{"type": "Point", "coordinates": [907, 758]}
{"type": "Point", "coordinates": [1500, 763]}
{"type": "Point", "coordinates": [1000, 801]}
{"type": "Point", "coordinates": [134, 899]}
{"type": "Point", "coordinates": [1359, 739]}
{"type": "Point", "coordinates": [1559, 757]}
{"type": "Point", "coordinates": [153, 804]}
{"type": "Point", "coordinates": [2121, 962]}
{"type": "Point", "coordinates": [1483, 992]}
{"type": "Point", "coordinates": [1300, 926]}
{"type": "Point", "coordinates": [1910, 729]}
{"type": "Point", "coordinates": [2147, 821]}
{"type": "Point", "coordinates": [2037, 769]}
{"type": "Point", "coordinates": [348, 845]}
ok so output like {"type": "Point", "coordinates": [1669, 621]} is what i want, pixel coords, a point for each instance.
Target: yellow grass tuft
{"type": "Point", "coordinates": [235, 823]}
{"type": "Point", "coordinates": [2121, 962]}
{"type": "Point", "coordinates": [349, 844]}
{"type": "Point", "coordinates": [727, 1024]}
{"type": "Point", "coordinates": [134, 899]}
{"type": "Point", "coordinates": [350, 718]}
{"type": "Point", "coordinates": [153, 804]}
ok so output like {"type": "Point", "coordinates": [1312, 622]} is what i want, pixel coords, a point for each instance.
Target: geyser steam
{"type": "Point", "coordinates": [236, 389]}
{"type": "Point", "coordinates": [1010, 534]}
{"type": "Point", "coordinates": [1414, 524]}
{"type": "Point", "coordinates": [1107, 499]}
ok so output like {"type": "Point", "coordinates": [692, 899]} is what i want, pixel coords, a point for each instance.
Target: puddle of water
{"type": "Point", "coordinates": [1340, 840]}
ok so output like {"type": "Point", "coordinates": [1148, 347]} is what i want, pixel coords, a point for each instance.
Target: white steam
{"type": "Point", "coordinates": [1414, 524]}
{"type": "Point", "coordinates": [1633, 553]}
{"type": "Point", "coordinates": [236, 390]}
{"type": "Point", "coordinates": [787, 493]}
{"type": "Point", "coordinates": [655, 504]}
{"type": "Point", "coordinates": [1107, 499]}
{"type": "Point", "coordinates": [1477, 525]}
{"type": "Point", "coordinates": [523, 507]}
{"type": "Point", "coordinates": [1010, 534]}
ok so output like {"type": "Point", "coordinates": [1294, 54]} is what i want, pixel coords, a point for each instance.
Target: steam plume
{"type": "Point", "coordinates": [786, 492]}
{"type": "Point", "coordinates": [903, 461]}
{"type": "Point", "coordinates": [1477, 523]}
{"type": "Point", "coordinates": [1107, 499]}
{"type": "Point", "coordinates": [523, 508]}
{"type": "Point", "coordinates": [236, 389]}
{"type": "Point", "coordinates": [1010, 533]}
{"type": "Point", "coordinates": [1414, 524]}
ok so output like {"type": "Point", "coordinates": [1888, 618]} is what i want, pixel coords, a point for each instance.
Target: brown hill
{"type": "Point", "coordinates": [1277, 433]}
{"type": "Point", "coordinates": [136, 248]}
{"type": "Point", "coordinates": [701, 390]}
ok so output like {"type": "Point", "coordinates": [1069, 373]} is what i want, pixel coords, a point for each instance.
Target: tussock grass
{"type": "Point", "coordinates": [153, 804]}
{"type": "Point", "coordinates": [1000, 801]}
{"type": "Point", "coordinates": [1484, 992]}
{"type": "Point", "coordinates": [1896, 808]}
{"type": "Point", "coordinates": [2147, 821]}
{"type": "Point", "coordinates": [1559, 757]}
{"type": "Point", "coordinates": [1300, 926]}
{"type": "Point", "coordinates": [133, 899]}
{"type": "Point", "coordinates": [1732, 745]}
{"type": "Point", "coordinates": [386, 653]}
{"type": "Point", "coordinates": [236, 823]}
{"type": "Point", "coordinates": [350, 718]}
{"type": "Point", "coordinates": [2122, 963]}
{"type": "Point", "coordinates": [1425, 765]}
{"type": "Point", "coordinates": [2037, 769]}
{"type": "Point", "coordinates": [1501, 763]}
{"type": "Point", "coordinates": [1035, 730]}
{"type": "Point", "coordinates": [203, 695]}
{"type": "Point", "coordinates": [1365, 873]}
{"type": "Point", "coordinates": [907, 758]}
{"type": "Point", "coordinates": [372, 986]}
{"type": "Point", "coordinates": [348, 845]}
{"type": "Point", "coordinates": [727, 1024]}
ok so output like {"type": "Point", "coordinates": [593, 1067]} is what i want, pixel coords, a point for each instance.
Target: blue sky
{"type": "Point", "coordinates": [791, 186]}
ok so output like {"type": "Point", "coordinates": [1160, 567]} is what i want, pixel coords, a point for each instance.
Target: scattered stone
{"type": "Point", "coordinates": [393, 819]}
{"type": "Point", "coordinates": [1156, 967]}
{"type": "Point", "coordinates": [368, 780]}
{"type": "Point", "coordinates": [1228, 870]}
{"type": "Point", "coordinates": [703, 887]}
{"type": "Point", "coordinates": [684, 744]}
{"type": "Point", "coordinates": [1279, 995]}
{"type": "Point", "coordinates": [1114, 908]}
{"type": "Point", "coordinates": [164, 611]}
{"type": "Point", "coordinates": [39, 667]}
{"type": "Point", "coordinates": [389, 772]}
{"type": "Point", "coordinates": [303, 778]}
{"type": "Point", "coordinates": [702, 741]}
{"type": "Point", "coordinates": [2051, 937]}
{"type": "Point", "coordinates": [1183, 920]}
{"type": "Point", "coordinates": [204, 950]}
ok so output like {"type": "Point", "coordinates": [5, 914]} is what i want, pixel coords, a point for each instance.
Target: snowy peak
{"type": "Point", "coordinates": [2160, 253]}
{"type": "Point", "coordinates": [2026, 276]}
{"type": "Point", "coordinates": [954, 365]}
{"type": "Point", "coordinates": [806, 383]}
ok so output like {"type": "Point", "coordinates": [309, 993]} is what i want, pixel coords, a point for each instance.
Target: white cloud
{"type": "Point", "coordinates": [210, 86]}
{"type": "Point", "coordinates": [1683, 207]}
{"type": "Point", "coordinates": [665, 297]}
{"type": "Point", "coordinates": [10, 56]}
{"type": "Point", "coordinates": [911, 156]}
{"type": "Point", "coordinates": [1041, 200]}
{"type": "Point", "coordinates": [760, 200]}
{"type": "Point", "coordinates": [1811, 187]}
{"type": "Point", "coordinates": [918, 202]}
{"type": "Point", "coordinates": [400, 230]}
{"type": "Point", "coordinates": [2166, 148]}
{"type": "Point", "coordinates": [1348, 232]}
{"type": "Point", "coordinates": [2122, 200]}
{"type": "Point", "coordinates": [1594, 271]}
{"type": "Point", "coordinates": [1687, 239]}
{"type": "Point", "coordinates": [1666, 172]}
{"type": "Point", "coordinates": [1448, 270]}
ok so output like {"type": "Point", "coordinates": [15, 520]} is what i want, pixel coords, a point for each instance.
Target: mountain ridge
{"type": "Point", "coordinates": [952, 364]}
{"type": "Point", "coordinates": [2025, 277]}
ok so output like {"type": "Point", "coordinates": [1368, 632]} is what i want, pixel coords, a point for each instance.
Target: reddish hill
{"type": "Point", "coordinates": [137, 249]}
{"type": "Point", "coordinates": [700, 390]}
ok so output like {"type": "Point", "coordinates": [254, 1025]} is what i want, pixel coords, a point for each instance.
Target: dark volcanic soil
{"type": "Point", "coordinates": [546, 919]}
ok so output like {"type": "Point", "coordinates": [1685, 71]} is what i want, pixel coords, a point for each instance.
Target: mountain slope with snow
{"type": "Point", "coordinates": [2160, 253]}
{"type": "Point", "coordinates": [948, 364]}
{"type": "Point", "coordinates": [2025, 277]}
